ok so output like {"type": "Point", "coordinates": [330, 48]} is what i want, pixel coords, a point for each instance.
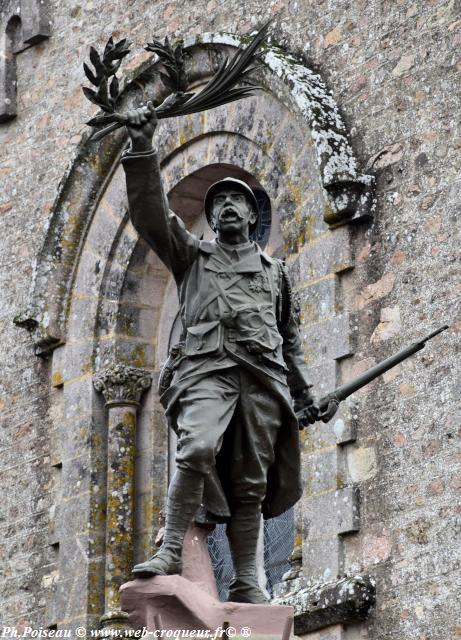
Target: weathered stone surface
{"type": "Point", "coordinates": [348, 510]}
{"type": "Point", "coordinates": [393, 121]}
{"type": "Point", "coordinates": [342, 602]}
{"type": "Point", "coordinates": [362, 463]}
{"type": "Point", "coordinates": [329, 340]}
{"type": "Point", "coordinates": [23, 24]}
{"type": "Point", "coordinates": [330, 255]}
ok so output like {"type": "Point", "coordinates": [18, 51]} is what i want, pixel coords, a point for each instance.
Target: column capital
{"type": "Point", "coordinates": [121, 384]}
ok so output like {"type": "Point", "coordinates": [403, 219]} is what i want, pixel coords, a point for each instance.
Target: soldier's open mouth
{"type": "Point", "coordinates": [230, 215]}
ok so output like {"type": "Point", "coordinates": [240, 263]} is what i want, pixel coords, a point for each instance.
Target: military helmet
{"type": "Point", "coordinates": [230, 183]}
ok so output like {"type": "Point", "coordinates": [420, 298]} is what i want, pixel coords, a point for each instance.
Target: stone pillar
{"type": "Point", "coordinates": [122, 387]}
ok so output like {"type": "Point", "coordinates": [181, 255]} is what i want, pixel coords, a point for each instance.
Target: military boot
{"type": "Point", "coordinates": [243, 534]}
{"type": "Point", "coordinates": [184, 498]}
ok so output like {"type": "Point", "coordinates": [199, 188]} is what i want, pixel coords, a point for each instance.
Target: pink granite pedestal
{"type": "Point", "coordinates": [190, 602]}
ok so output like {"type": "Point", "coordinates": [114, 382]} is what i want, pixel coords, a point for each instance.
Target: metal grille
{"type": "Point", "coordinates": [218, 548]}
{"type": "Point", "coordinates": [263, 228]}
{"type": "Point", "coordinates": [278, 544]}
{"type": "Point", "coordinates": [279, 539]}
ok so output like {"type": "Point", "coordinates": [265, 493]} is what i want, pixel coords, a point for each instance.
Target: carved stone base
{"type": "Point", "coordinates": [115, 622]}
{"type": "Point", "coordinates": [173, 603]}
{"type": "Point", "coordinates": [315, 607]}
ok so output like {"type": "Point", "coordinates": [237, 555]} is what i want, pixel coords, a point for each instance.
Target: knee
{"type": "Point", "coordinates": [249, 492]}
{"type": "Point", "coordinates": [198, 455]}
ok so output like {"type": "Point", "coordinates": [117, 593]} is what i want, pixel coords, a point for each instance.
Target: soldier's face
{"type": "Point", "coordinates": [232, 212]}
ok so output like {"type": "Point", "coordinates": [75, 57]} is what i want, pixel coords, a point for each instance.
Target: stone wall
{"type": "Point", "coordinates": [394, 71]}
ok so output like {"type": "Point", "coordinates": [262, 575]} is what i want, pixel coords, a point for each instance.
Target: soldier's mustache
{"type": "Point", "coordinates": [232, 211]}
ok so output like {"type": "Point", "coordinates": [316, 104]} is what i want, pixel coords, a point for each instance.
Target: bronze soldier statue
{"type": "Point", "coordinates": [233, 383]}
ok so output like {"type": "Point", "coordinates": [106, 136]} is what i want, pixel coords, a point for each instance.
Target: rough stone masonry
{"type": "Point", "coordinates": [393, 68]}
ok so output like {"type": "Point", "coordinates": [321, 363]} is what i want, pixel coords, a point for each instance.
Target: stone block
{"type": "Point", "coordinates": [125, 246]}
{"type": "Point", "coordinates": [289, 144]}
{"type": "Point", "coordinates": [82, 317]}
{"type": "Point", "coordinates": [145, 282]}
{"type": "Point", "coordinates": [322, 557]}
{"type": "Point", "coordinates": [80, 433]}
{"type": "Point", "coordinates": [246, 116]}
{"type": "Point", "coordinates": [374, 291]}
{"type": "Point", "coordinates": [90, 275]}
{"type": "Point", "coordinates": [319, 301]}
{"type": "Point", "coordinates": [266, 121]}
{"type": "Point", "coordinates": [141, 322]}
{"type": "Point", "coordinates": [71, 523]}
{"type": "Point", "coordinates": [344, 423]}
{"type": "Point", "coordinates": [102, 234]}
{"type": "Point", "coordinates": [319, 518]}
{"type": "Point", "coordinates": [78, 398]}
{"type": "Point", "coordinates": [72, 361]}
{"type": "Point", "coordinates": [330, 253]}
{"type": "Point", "coordinates": [131, 352]}
{"type": "Point", "coordinates": [75, 476]}
{"type": "Point", "coordinates": [362, 463]}
{"type": "Point", "coordinates": [105, 319]}
{"type": "Point", "coordinates": [320, 471]}
{"type": "Point", "coordinates": [348, 510]}
{"type": "Point", "coordinates": [143, 520]}
{"type": "Point", "coordinates": [322, 373]}
{"type": "Point", "coordinates": [115, 199]}
{"type": "Point", "coordinates": [190, 127]}
{"type": "Point", "coordinates": [71, 598]}
{"type": "Point", "coordinates": [149, 430]}
{"type": "Point", "coordinates": [329, 340]}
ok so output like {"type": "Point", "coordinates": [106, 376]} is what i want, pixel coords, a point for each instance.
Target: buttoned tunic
{"type": "Point", "coordinates": [233, 307]}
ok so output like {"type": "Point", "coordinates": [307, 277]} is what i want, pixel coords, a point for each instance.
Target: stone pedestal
{"type": "Point", "coordinates": [173, 603]}
{"type": "Point", "coordinates": [190, 601]}
{"type": "Point", "coordinates": [196, 562]}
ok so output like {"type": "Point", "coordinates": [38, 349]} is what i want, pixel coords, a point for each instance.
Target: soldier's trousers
{"type": "Point", "coordinates": [231, 412]}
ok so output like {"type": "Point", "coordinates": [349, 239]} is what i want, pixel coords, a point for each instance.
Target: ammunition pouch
{"type": "Point", "coordinates": [257, 329]}
{"type": "Point", "coordinates": [205, 338]}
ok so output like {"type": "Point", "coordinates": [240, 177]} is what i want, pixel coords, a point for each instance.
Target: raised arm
{"type": "Point", "coordinates": [149, 210]}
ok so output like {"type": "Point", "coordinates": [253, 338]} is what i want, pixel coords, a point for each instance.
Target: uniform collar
{"type": "Point", "coordinates": [211, 247]}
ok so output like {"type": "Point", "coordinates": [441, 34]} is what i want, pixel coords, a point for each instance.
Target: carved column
{"type": "Point", "coordinates": [122, 387]}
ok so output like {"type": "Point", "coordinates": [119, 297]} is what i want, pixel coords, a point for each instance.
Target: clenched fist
{"type": "Point", "coordinates": [141, 124]}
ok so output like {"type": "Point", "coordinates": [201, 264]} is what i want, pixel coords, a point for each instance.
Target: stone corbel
{"type": "Point", "coordinates": [344, 601]}
{"type": "Point", "coordinates": [24, 23]}
{"type": "Point", "coordinates": [122, 388]}
{"type": "Point", "coordinates": [350, 201]}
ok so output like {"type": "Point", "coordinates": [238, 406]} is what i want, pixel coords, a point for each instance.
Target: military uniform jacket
{"type": "Point", "coordinates": [236, 310]}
